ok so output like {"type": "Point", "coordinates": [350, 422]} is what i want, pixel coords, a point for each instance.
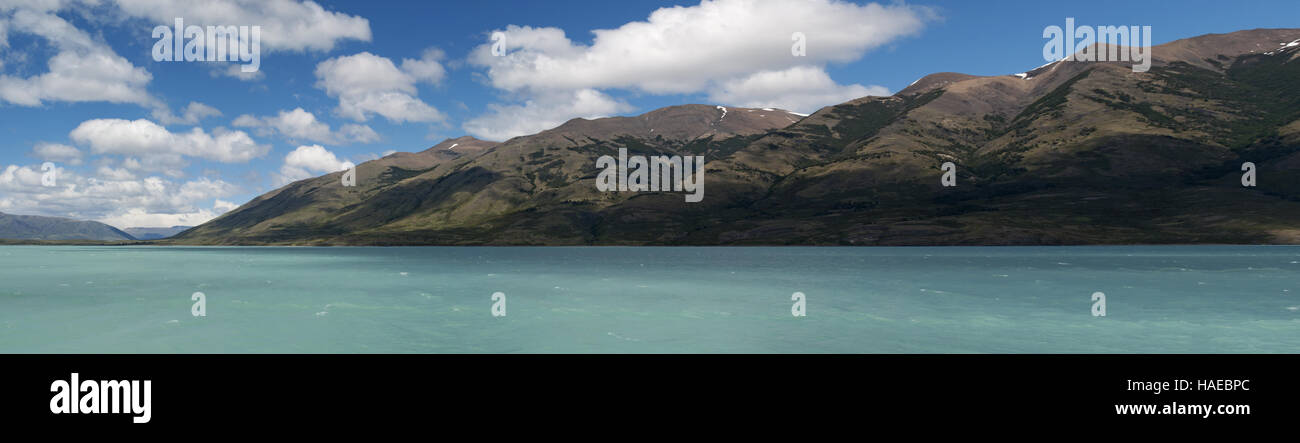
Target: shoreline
{"type": "Point", "coordinates": [6, 242]}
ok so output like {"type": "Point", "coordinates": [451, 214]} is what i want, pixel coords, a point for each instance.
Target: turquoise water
{"type": "Point", "coordinates": [1193, 299]}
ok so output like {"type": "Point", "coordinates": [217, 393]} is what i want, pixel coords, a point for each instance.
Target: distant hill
{"type": "Point", "coordinates": [1067, 153]}
{"type": "Point", "coordinates": [155, 233]}
{"type": "Point", "coordinates": [31, 227]}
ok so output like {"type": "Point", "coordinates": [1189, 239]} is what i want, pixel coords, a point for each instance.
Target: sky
{"type": "Point", "coordinates": [135, 141]}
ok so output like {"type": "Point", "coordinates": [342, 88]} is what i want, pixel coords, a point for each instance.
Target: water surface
{"type": "Point", "coordinates": [1183, 299]}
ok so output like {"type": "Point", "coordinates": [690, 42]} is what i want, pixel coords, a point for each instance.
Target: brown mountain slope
{"type": "Point", "coordinates": [443, 191]}
{"type": "Point", "coordinates": [1156, 152]}
{"type": "Point", "coordinates": [1069, 153]}
{"type": "Point", "coordinates": [305, 203]}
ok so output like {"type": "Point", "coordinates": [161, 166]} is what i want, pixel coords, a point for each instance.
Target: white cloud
{"type": "Point", "coordinates": [307, 162]}
{"type": "Point", "coordinates": [82, 70]}
{"type": "Point", "coordinates": [147, 139]}
{"type": "Point", "coordinates": [543, 112]}
{"type": "Point", "coordinates": [236, 71]}
{"type": "Point", "coordinates": [801, 89]}
{"type": "Point", "coordinates": [112, 196]}
{"type": "Point", "coordinates": [427, 68]}
{"type": "Point", "coordinates": [192, 115]}
{"type": "Point", "coordinates": [139, 218]}
{"type": "Point", "coordinates": [367, 84]}
{"type": "Point", "coordinates": [395, 106]}
{"type": "Point", "coordinates": [169, 163]}
{"type": "Point", "coordinates": [224, 206]}
{"type": "Point", "coordinates": [688, 49]}
{"type": "Point", "coordinates": [115, 173]}
{"type": "Point", "coordinates": [55, 152]}
{"type": "Point", "coordinates": [359, 133]}
{"type": "Point", "coordinates": [35, 5]}
{"type": "Point", "coordinates": [299, 124]}
{"type": "Point", "coordinates": [736, 51]}
{"type": "Point", "coordinates": [287, 25]}
{"type": "Point", "coordinates": [15, 177]}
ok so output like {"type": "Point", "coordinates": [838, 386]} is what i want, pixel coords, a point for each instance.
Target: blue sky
{"type": "Point", "coordinates": [79, 86]}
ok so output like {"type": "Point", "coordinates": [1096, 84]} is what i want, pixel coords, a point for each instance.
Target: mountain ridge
{"type": "Point", "coordinates": [35, 227]}
{"type": "Point", "coordinates": [1068, 153]}
{"type": "Point", "coordinates": [154, 233]}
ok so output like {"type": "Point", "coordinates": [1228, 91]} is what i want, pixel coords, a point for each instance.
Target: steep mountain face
{"type": "Point", "coordinates": [318, 207]}
{"type": "Point", "coordinates": [454, 191]}
{"type": "Point", "coordinates": [1068, 153]}
{"type": "Point", "coordinates": [31, 227]}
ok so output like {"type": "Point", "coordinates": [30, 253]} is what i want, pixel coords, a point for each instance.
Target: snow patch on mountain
{"type": "Point", "coordinates": [1029, 75]}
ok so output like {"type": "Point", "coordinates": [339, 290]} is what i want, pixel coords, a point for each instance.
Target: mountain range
{"type": "Point", "coordinates": [31, 227]}
{"type": "Point", "coordinates": [155, 233]}
{"type": "Point", "coordinates": [1068, 153]}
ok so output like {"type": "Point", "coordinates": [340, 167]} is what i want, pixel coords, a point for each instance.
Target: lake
{"type": "Point", "coordinates": [1158, 299]}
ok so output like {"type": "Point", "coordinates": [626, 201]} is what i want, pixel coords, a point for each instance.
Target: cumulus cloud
{"type": "Point", "coordinates": [136, 217]}
{"type": "Point", "coordinates": [543, 112]}
{"type": "Point", "coordinates": [55, 152]}
{"type": "Point", "coordinates": [428, 68]}
{"type": "Point", "coordinates": [144, 138]}
{"type": "Point", "coordinates": [111, 173]}
{"type": "Point", "coordinates": [366, 84]}
{"type": "Point", "coordinates": [299, 124]}
{"type": "Point", "coordinates": [358, 133]}
{"type": "Point", "coordinates": [191, 115]}
{"type": "Point", "coordinates": [112, 196]}
{"type": "Point", "coordinates": [35, 5]}
{"type": "Point", "coordinates": [307, 162]}
{"type": "Point", "coordinates": [82, 70]}
{"type": "Point", "coordinates": [687, 49]}
{"type": "Point", "coordinates": [169, 163]}
{"type": "Point", "coordinates": [16, 177]}
{"type": "Point", "coordinates": [287, 25]}
{"type": "Point", "coordinates": [801, 89]}
{"type": "Point", "coordinates": [224, 206]}
{"type": "Point", "coordinates": [739, 51]}
{"type": "Point", "coordinates": [85, 69]}
{"type": "Point", "coordinates": [236, 71]}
